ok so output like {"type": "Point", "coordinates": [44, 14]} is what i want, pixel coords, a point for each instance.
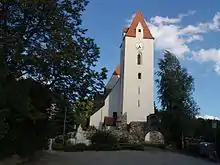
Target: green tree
{"type": "Point", "coordinates": [83, 110]}
{"type": "Point", "coordinates": [175, 90]}
{"type": "Point", "coordinates": [43, 41]}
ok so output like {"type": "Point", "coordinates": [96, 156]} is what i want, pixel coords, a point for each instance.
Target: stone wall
{"type": "Point", "coordinates": [135, 132]}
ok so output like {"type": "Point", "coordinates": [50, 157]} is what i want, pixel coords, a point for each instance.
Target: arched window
{"type": "Point", "coordinates": [139, 59]}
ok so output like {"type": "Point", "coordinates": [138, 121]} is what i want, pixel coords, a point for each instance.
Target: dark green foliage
{"type": "Point", "coordinates": [45, 58]}
{"type": "Point", "coordinates": [25, 117]}
{"type": "Point", "coordinates": [103, 137]}
{"type": "Point", "coordinates": [76, 147]}
{"type": "Point", "coordinates": [123, 140]}
{"type": "Point", "coordinates": [104, 147]}
{"type": "Point", "coordinates": [57, 146]}
{"type": "Point", "coordinates": [45, 41]}
{"type": "Point", "coordinates": [59, 140]}
{"type": "Point", "coordinates": [175, 90]}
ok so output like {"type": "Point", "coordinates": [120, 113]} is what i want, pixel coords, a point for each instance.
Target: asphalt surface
{"type": "Point", "coordinates": [118, 158]}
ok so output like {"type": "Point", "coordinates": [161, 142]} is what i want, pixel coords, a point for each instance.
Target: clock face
{"type": "Point", "coordinates": [139, 46]}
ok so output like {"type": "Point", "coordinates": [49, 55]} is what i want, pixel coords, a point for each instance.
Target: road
{"type": "Point", "coordinates": [119, 158]}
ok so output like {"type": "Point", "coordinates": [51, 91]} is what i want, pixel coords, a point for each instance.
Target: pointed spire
{"type": "Point", "coordinates": [131, 32]}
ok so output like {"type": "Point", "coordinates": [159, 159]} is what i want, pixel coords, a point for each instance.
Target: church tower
{"type": "Point", "coordinates": [137, 71]}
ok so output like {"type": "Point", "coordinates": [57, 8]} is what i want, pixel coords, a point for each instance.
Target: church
{"type": "Point", "coordinates": [130, 88]}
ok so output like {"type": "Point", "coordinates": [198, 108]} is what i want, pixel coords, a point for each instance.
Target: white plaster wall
{"type": "Point", "coordinates": [112, 104]}
{"type": "Point", "coordinates": [121, 76]}
{"type": "Point", "coordinates": [131, 81]}
{"type": "Point", "coordinates": [114, 99]}
{"type": "Point", "coordinates": [98, 118]}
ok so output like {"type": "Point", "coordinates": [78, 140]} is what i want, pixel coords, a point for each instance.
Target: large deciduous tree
{"type": "Point", "coordinates": [44, 40]}
{"type": "Point", "coordinates": [175, 91]}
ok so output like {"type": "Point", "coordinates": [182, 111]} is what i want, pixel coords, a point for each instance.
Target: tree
{"type": "Point", "coordinates": [45, 41]}
{"type": "Point", "coordinates": [175, 89]}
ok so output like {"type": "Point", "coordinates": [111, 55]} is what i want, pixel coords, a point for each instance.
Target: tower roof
{"type": "Point", "coordinates": [131, 30]}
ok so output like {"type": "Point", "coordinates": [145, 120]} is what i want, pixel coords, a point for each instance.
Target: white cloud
{"type": "Point", "coordinates": [170, 35]}
{"type": "Point", "coordinates": [208, 55]}
{"type": "Point", "coordinates": [217, 68]}
{"type": "Point", "coordinates": [209, 117]}
{"type": "Point", "coordinates": [194, 38]}
{"type": "Point", "coordinates": [166, 37]}
{"type": "Point", "coordinates": [190, 29]}
{"type": "Point", "coordinates": [213, 25]}
{"type": "Point", "coordinates": [158, 20]}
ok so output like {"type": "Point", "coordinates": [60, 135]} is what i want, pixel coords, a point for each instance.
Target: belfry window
{"type": "Point", "coordinates": [139, 30]}
{"type": "Point", "coordinates": [139, 103]}
{"type": "Point", "coordinates": [139, 59]}
{"type": "Point", "coordinates": [139, 75]}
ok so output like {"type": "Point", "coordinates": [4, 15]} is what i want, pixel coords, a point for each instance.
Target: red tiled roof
{"type": "Point", "coordinates": [131, 32]}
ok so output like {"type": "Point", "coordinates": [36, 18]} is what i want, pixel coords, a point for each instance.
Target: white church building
{"type": "Point", "coordinates": [130, 88]}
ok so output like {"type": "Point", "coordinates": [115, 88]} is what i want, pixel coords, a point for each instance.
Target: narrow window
{"type": "Point", "coordinates": [139, 59]}
{"type": "Point", "coordinates": [139, 30]}
{"type": "Point", "coordinates": [139, 90]}
{"type": "Point", "coordinates": [138, 103]}
{"type": "Point", "coordinates": [139, 75]}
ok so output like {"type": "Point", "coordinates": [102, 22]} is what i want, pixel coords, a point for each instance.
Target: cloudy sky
{"type": "Point", "coordinates": [190, 29]}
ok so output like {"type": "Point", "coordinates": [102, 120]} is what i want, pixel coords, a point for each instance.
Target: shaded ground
{"type": "Point", "coordinates": [118, 158]}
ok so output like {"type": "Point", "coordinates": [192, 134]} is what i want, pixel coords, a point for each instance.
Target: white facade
{"type": "Point", "coordinates": [132, 88]}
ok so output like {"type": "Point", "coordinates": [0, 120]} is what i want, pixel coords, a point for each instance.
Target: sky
{"type": "Point", "coordinates": [190, 29]}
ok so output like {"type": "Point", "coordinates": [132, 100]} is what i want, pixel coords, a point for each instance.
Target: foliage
{"type": "Point", "coordinates": [59, 140]}
{"type": "Point", "coordinates": [104, 147]}
{"type": "Point", "coordinates": [76, 147]}
{"type": "Point", "coordinates": [57, 146]}
{"type": "Point", "coordinates": [45, 53]}
{"type": "Point", "coordinates": [123, 140]}
{"type": "Point", "coordinates": [45, 41]}
{"type": "Point", "coordinates": [175, 89]}
{"type": "Point", "coordinates": [83, 110]}
{"type": "Point", "coordinates": [24, 116]}
{"type": "Point", "coordinates": [103, 137]}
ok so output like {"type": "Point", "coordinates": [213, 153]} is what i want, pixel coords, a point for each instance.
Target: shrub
{"type": "Point", "coordinates": [77, 147]}
{"type": "Point", "coordinates": [104, 147]}
{"type": "Point", "coordinates": [103, 137]}
{"type": "Point", "coordinates": [57, 146]}
{"type": "Point", "coordinates": [58, 139]}
{"type": "Point", "coordinates": [123, 140]}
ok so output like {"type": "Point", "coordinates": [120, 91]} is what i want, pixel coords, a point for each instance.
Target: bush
{"type": "Point", "coordinates": [57, 146]}
{"type": "Point", "coordinates": [104, 147]}
{"type": "Point", "coordinates": [103, 137]}
{"type": "Point", "coordinates": [59, 140]}
{"type": "Point", "coordinates": [123, 140]}
{"type": "Point", "coordinates": [77, 147]}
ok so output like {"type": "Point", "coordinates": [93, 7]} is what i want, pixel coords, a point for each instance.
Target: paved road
{"type": "Point", "coordinates": [119, 158]}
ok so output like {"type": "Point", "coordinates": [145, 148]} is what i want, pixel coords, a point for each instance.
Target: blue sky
{"type": "Point", "coordinates": [189, 28]}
